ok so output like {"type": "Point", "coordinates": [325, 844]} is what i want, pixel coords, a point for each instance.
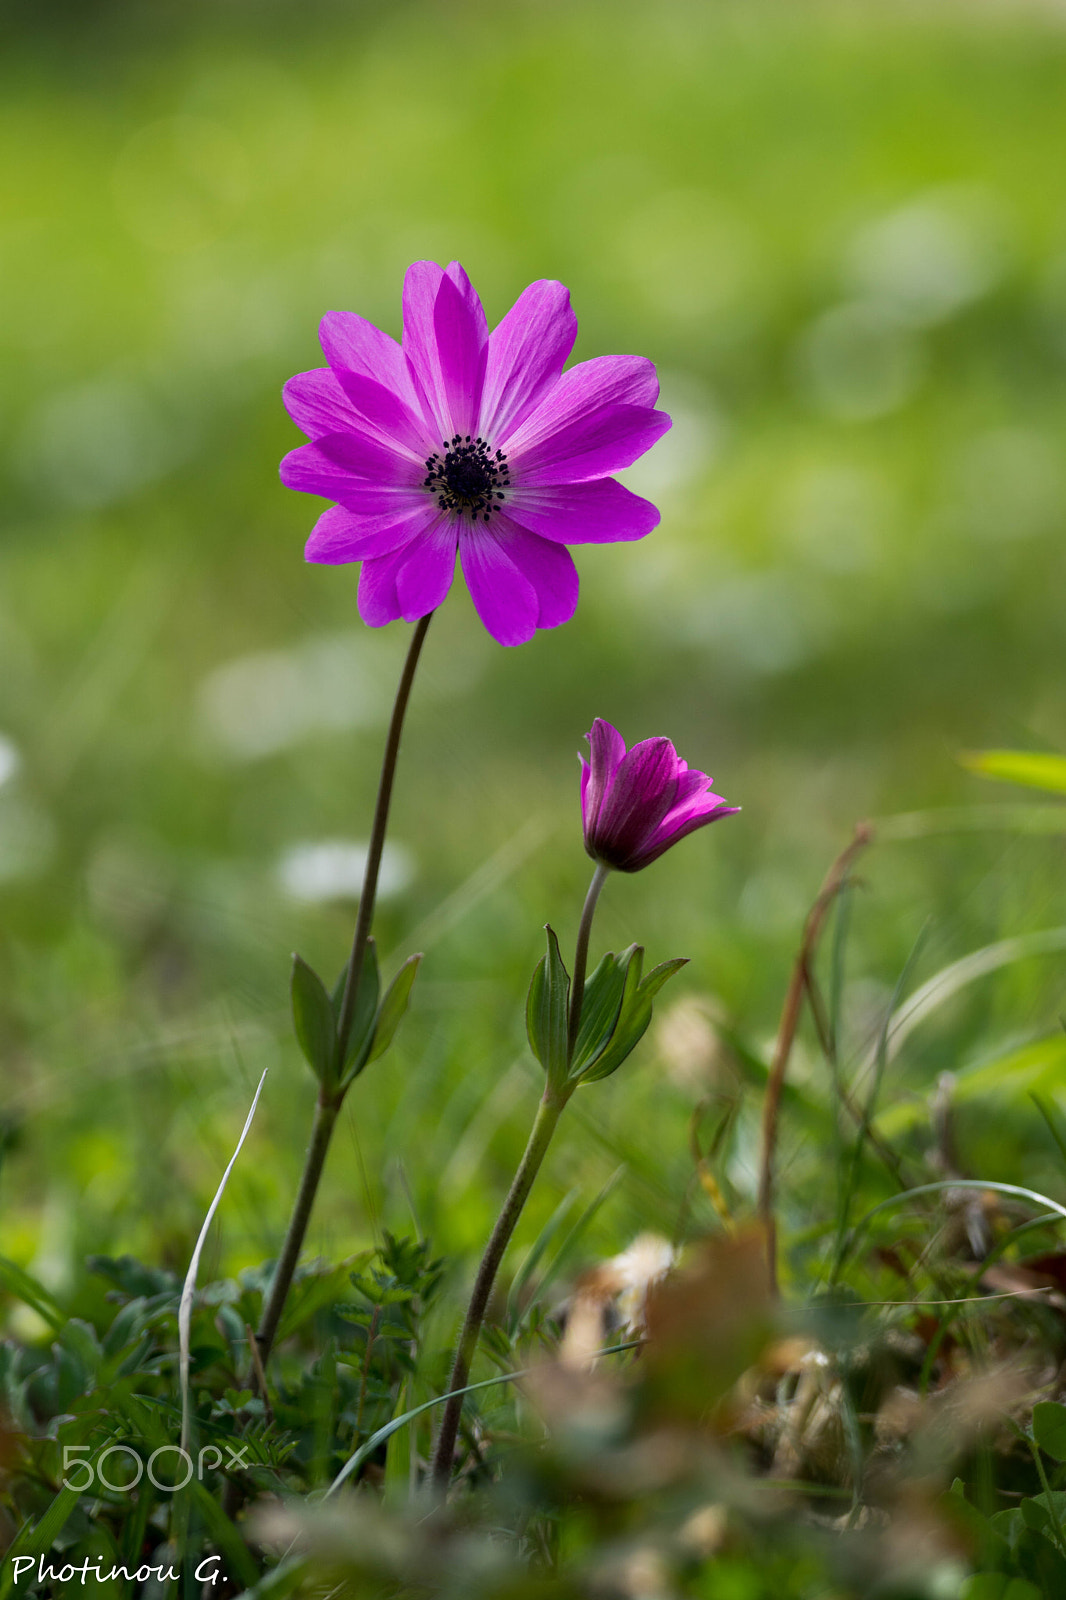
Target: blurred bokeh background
{"type": "Point", "coordinates": [840, 232]}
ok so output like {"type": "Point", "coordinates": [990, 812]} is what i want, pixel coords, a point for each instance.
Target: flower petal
{"type": "Point", "coordinates": [461, 333]}
{"type": "Point", "coordinates": [603, 381]}
{"type": "Point", "coordinates": [340, 462]}
{"type": "Point", "coordinates": [341, 535]}
{"type": "Point", "coordinates": [548, 567]}
{"type": "Point", "coordinates": [421, 282]}
{"type": "Point", "coordinates": [375, 408]}
{"type": "Point", "coordinates": [426, 576]}
{"type": "Point", "coordinates": [600, 511]}
{"type": "Point", "coordinates": [527, 351]}
{"type": "Point", "coordinates": [378, 601]}
{"type": "Point", "coordinates": [443, 355]}
{"type": "Point", "coordinates": [316, 403]}
{"type": "Point", "coordinates": [351, 344]}
{"type": "Point", "coordinates": [503, 597]}
{"type": "Point", "coordinates": [607, 749]}
{"type": "Point", "coordinates": [674, 828]}
{"type": "Point", "coordinates": [590, 446]}
{"type": "Point", "coordinates": [640, 794]}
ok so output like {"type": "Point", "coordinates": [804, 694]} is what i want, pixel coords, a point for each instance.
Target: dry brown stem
{"type": "Point", "coordinates": [801, 983]}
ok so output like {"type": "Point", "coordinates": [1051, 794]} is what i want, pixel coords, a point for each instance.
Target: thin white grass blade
{"type": "Point", "coordinates": [189, 1286]}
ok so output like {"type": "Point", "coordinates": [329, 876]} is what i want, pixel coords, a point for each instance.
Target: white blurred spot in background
{"type": "Point", "coordinates": [91, 445]}
{"type": "Point", "coordinates": [27, 834]}
{"type": "Point", "coordinates": [761, 623]}
{"type": "Point", "coordinates": [1007, 484]}
{"type": "Point", "coordinates": [10, 760]}
{"type": "Point", "coordinates": [27, 839]}
{"type": "Point", "coordinates": [860, 360]}
{"type": "Point", "coordinates": [696, 435]}
{"type": "Point", "coordinates": [835, 515]}
{"type": "Point", "coordinates": [332, 869]}
{"type": "Point", "coordinates": [268, 701]}
{"type": "Point", "coordinates": [928, 259]}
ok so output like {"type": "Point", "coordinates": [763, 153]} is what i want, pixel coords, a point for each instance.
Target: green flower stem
{"type": "Point", "coordinates": [365, 914]}
{"type": "Point", "coordinates": [581, 955]}
{"type": "Point", "coordinates": [548, 1113]}
{"type": "Point", "coordinates": [326, 1113]}
{"type": "Point", "coordinates": [328, 1106]}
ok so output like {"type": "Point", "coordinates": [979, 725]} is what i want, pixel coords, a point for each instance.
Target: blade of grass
{"type": "Point", "coordinates": [1052, 1128]}
{"type": "Point", "coordinates": [907, 825]}
{"type": "Point", "coordinates": [39, 1539]}
{"type": "Point", "coordinates": [33, 1294]}
{"type": "Point", "coordinates": [367, 1448]}
{"type": "Point", "coordinates": [189, 1286]}
{"type": "Point", "coordinates": [799, 984]}
{"type": "Point", "coordinates": [572, 1239]}
{"type": "Point", "coordinates": [846, 1192]}
{"type": "Point", "coordinates": [948, 982]}
{"type": "Point", "coordinates": [1017, 1190]}
{"type": "Point", "coordinates": [532, 1261]}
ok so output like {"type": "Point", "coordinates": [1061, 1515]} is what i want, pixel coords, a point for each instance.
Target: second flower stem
{"type": "Point", "coordinates": [581, 955]}
{"type": "Point", "coordinates": [328, 1106]}
{"type": "Point", "coordinates": [548, 1113]}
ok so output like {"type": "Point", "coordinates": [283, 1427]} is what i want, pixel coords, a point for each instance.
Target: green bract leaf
{"type": "Point", "coordinates": [361, 1036]}
{"type": "Point", "coordinates": [547, 1009]}
{"type": "Point", "coordinates": [599, 1008]}
{"type": "Point", "coordinates": [662, 974]}
{"type": "Point", "coordinates": [312, 1017]}
{"type": "Point", "coordinates": [633, 1019]}
{"type": "Point", "coordinates": [634, 1014]}
{"type": "Point", "coordinates": [1033, 769]}
{"type": "Point", "coordinates": [393, 1006]}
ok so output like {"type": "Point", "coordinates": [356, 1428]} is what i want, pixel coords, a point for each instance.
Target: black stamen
{"type": "Point", "coordinates": [468, 479]}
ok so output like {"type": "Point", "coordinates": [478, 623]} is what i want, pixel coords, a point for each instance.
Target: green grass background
{"type": "Point", "coordinates": [841, 234]}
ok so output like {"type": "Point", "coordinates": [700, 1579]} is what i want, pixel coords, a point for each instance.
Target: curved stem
{"type": "Point", "coordinates": [328, 1108]}
{"type": "Point", "coordinates": [365, 915]}
{"type": "Point", "coordinates": [548, 1113]}
{"type": "Point", "coordinates": [581, 954]}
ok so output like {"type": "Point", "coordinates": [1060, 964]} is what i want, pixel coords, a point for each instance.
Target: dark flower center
{"type": "Point", "coordinates": [467, 478]}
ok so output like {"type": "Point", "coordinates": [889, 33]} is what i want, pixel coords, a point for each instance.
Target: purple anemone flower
{"type": "Point", "coordinates": [462, 439]}
{"type": "Point", "coordinates": [636, 806]}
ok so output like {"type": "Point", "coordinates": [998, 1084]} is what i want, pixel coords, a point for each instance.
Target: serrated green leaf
{"type": "Point", "coordinates": [393, 1007]}
{"type": "Point", "coordinates": [1032, 769]}
{"type": "Point", "coordinates": [547, 1008]}
{"type": "Point", "coordinates": [312, 1017]}
{"type": "Point", "coordinates": [361, 1037]}
{"type": "Point", "coordinates": [599, 1008]}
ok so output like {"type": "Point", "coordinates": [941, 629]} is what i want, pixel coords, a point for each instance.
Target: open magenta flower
{"type": "Point", "coordinates": [462, 439]}
{"type": "Point", "coordinates": [636, 806]}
